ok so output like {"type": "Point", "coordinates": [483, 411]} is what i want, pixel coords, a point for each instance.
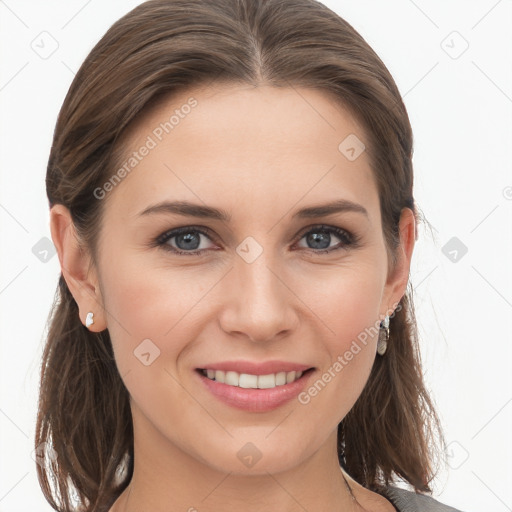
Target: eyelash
{"type": "Point", "coordinates": [349, 240]}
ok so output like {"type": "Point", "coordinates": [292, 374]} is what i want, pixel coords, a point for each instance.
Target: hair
{"type": "Point", "coordinates": [84, 427]}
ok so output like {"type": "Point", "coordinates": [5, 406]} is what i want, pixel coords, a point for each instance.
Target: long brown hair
{"type": "Point", "coordinates": [160, 48]}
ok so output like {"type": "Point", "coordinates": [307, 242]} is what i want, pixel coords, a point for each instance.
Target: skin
{"type": "Point", "coordinates": [260, 154]}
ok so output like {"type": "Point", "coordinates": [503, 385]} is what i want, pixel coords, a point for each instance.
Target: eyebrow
{"type": "Point", "coordinates": [189, 209]}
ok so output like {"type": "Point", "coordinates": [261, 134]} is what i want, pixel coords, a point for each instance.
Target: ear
{"type": "Point", "coordinates": [397, 280]}
{"type": "Point", "coordinates": [75, 264]}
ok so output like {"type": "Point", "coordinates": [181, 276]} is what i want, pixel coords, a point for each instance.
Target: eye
{"type": "Point", "coordinates": [320, 238]}
{"type": "Point", "coordinates": [187, 240]}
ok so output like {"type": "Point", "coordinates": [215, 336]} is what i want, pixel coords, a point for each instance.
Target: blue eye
{"type": "Point", "coordinates": [321, 236]}
{"type": "Point", "coordinates": [187, 240]}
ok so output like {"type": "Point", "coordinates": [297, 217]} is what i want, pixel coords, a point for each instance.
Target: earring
{"type": "Point", "coordinates": [89, 319]}
{"type": "Point", "coordinates": [382, 344]}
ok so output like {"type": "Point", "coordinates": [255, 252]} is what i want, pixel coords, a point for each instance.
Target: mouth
{"type": "Point", "coordinates": [251, 381]}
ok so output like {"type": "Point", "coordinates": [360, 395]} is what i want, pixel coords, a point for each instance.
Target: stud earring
{"type": "Point", "coordinates": [382, 344]}
{"type": "Point", "coordinates": [89, 319]}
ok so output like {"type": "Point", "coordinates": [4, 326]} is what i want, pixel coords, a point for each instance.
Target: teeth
{"type": "Point", "coordinates": [231, 378]}
{"type": "Point", "coordinates": [245, 380]}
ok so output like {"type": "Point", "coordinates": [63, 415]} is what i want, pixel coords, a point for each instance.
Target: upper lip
{"type": "Point", "coordinates": [254, 368]}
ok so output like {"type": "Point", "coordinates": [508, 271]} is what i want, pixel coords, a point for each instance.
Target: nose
{"type": "Point", "coordinates": [259, 303]}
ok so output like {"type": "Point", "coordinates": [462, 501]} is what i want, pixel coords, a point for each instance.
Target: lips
{"type": "Point", "coordinates": [255, 368]}
{"type": "Point", "coordinates": [247, 398]}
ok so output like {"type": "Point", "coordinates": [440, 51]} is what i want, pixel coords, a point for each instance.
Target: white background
{"type": "Point", "coordinates": [461, 113]}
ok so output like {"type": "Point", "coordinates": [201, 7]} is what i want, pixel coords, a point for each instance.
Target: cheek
{"type": "Point", "coordinates": [348, 306]}
{"type": "Point", "coordinates": [149, 304]}
{"type": "Point", "coordinates": [346, 301]}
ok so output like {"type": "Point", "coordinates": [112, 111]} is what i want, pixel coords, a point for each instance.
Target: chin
{"type": "Point", "coordinates": [255, 456]}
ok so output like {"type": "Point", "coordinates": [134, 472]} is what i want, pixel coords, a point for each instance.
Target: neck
{"type": "Point", "coordinates": [167, 478]}
{"type": "Point", "coordinates": [272, 492]}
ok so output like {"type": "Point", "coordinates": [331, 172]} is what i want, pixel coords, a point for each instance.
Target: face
{"type": "Point", "coordinates": [274, 281]}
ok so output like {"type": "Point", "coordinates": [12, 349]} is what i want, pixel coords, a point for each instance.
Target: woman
{"type": "Point", "coordinates": [230, 186]}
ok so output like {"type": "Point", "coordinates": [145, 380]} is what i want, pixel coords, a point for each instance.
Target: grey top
{"type": "Point", "coordinates": [408, 501]}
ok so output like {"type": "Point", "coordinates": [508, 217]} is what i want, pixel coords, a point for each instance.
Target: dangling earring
{"type": "Point", "coordinates": [89, 319]}
{"type": "Point", "coordinates": [382, 344]}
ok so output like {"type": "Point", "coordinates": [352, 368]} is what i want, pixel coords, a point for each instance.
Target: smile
{"type": "Point", "coordinates": [246, 380]}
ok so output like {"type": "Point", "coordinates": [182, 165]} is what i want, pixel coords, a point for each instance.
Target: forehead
{"type": "Point", "coordinates": [240, 145]}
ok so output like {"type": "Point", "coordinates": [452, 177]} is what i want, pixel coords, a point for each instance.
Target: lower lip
{"type": "Point", "coordinates": [255, 400]}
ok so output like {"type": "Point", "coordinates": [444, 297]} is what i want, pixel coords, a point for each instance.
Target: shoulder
{"type": "Point", "coordinates": [409, 501]}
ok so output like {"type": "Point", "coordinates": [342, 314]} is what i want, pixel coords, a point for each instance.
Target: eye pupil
{"type": "Point", "coordinates": [191, 241]}
{"type": "Point", "coordinates": [320, 239]}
